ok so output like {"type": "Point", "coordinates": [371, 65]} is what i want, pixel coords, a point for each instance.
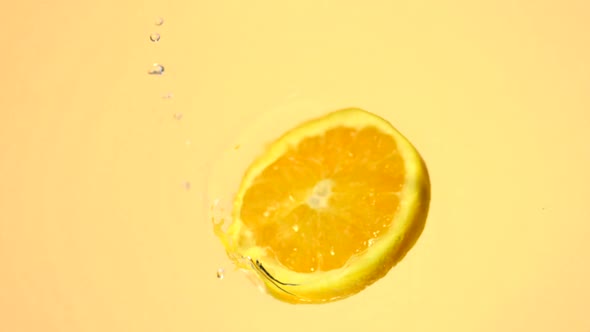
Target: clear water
{"type": "Point", "coordinates": [97, 232]}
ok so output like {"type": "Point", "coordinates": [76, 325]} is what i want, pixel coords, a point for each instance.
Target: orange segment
{"type": "Point", "coordinates": [329, 208]}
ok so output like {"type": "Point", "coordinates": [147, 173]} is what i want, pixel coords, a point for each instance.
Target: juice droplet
{"type": "Point", "coordinates": [155, 37]}
{"type": "Point", "coordinates": [159, 21]}
{"type": "Point", "coordinates": [220, 274]}
{"type": "Point", "coordinates": [157, 69]}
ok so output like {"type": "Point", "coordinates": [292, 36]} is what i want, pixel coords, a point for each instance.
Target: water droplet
{"type": "Point", "coordinates": [187, 185]}
{"type": "Point", "coordinates": [178, 116]}
{"type": "Point", "coordinates": [220, 274]}
{"type": "Point", "coordinates": [155, 37]}
{"type": "Point", "coordinates": [295, 228]}
{"type": "Point", "coordinates": [157, 69]}
{"type": "Point", "coordinates": [159, 21]}
{"type": "Point", "coordinates": [332, 251]}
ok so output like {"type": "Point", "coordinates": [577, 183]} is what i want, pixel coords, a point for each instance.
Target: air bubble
{"type": "Point", "coordinates": [220, 273]}
{"type": "Point", "coordinates": [295, 228]}
{"type": "Point", "coordinates": [177, 116]}
{"type": "Point", "coordinates": [159, 21]}
{"type": "Point", "coordinates": [155, 37]}
{"type": "Point", "coordinates": [217, 213]}
{"type": "Point", "coordinates": [187, 185]}
{"type": "Point", "coordinates": [332, 252]}
{"type": "Point", "coordinates": [157, 69]}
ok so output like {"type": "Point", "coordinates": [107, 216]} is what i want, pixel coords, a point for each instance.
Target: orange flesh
{"type": "Point", "coordinates": [339, 190]}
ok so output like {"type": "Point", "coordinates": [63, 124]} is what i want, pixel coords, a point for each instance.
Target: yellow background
{"type": "Point", "coordinates": [98, 231]}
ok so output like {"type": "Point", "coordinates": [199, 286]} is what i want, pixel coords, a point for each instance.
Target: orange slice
{"type": "Point", "coordinates": [329, 208]}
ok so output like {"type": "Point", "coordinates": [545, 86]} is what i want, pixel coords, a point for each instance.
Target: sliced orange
{"type": "Point", "coordinates": [329, 208]}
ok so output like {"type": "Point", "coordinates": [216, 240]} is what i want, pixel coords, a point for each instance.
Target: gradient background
{"type": "Point", "coordinates": [98, 231]}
